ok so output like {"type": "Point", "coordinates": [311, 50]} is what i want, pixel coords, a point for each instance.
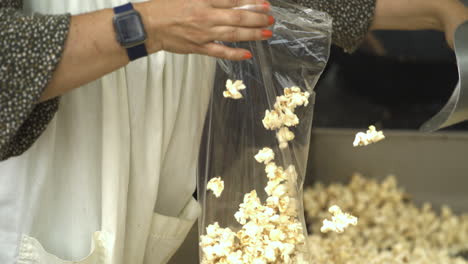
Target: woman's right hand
{"type": "Point", "coordinates": [193, 26]}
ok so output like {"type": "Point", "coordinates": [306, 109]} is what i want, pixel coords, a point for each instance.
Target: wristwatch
{"type": "Point", "coordinates": [130, 31]}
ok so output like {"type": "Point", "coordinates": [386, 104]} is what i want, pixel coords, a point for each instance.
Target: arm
{"type": "Point", "coordinates": [43, 56]}
{"type": "Point", "coordinates": [91, 49]}
{"type": "Point", "coordinates": [439, 15]}
{"type": "Point", "coordinates": [352, 19]}
{"type": "Point", "coordinates": [30, 50]}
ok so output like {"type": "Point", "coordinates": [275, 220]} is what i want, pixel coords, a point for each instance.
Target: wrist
{"type": "Point", "coordinates": [144, 9]}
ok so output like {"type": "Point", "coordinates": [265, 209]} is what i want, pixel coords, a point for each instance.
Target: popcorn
{"type": "Point", "coordinates": [249, 208]}
{"type": "Point", "coordinates": [271, 232]}
{"type": "Point", "coordinates": [217, 243]}
{"type": "Point", "coordinates": [284, 135]}
{"type": "Point", "coordinates": [279, 190]}
{"type": "Point", "coordinates": [271, 186]}
{"type": "Point", "coordinates": [235, 257]}
{"type": "Point", "coordinates": [233, 88]}
{"type": "Point", "coordinates": [292, 98]}
{"type": "Point", "coordinates": [272, 120]}
{"type": "Point", "coordinates": [265, 155]}
{"type": "Point", "coordinates": [283, 112]}
{"type": "Point", "coordinates": [276, 119]}
{"type": "Point", "coordinates": [216, 185]}
{"type": "Point", "coordinates": [289, 118]}
{"type": "Point", "coordinates": [270, 253]}
{"type": "Point", "coordinates": [277, 235]}
{"type": "Point", "coordinates": [259, 261]}
{"type": "Point", "coordinates": [252, 229]}
{"type": "Point", "coordinates": [271, 169]}
{"type": "Point", "coordinates": [371, 136]}
{"type": "Point", "coordinates": [240, 217]}
{"type": "Point", "coordinates": [339, 221]}
{"type": "Point", "coordinates": [391, 229]}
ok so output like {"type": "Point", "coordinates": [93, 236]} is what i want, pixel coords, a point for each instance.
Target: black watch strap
{"type": "Point", "coordinates": [123, 8]}
{"type": "Point", "coordinates": [137, 51]}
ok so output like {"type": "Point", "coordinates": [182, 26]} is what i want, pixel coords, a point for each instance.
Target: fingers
{"type": "Point", "coordinates": [240, 18]}
{"type": "Point", "coordinates": [263, 5]}
{"type": "Point", "coordinates": [236, 34]}
{"type": "Point", "coordinates": [223, 52]}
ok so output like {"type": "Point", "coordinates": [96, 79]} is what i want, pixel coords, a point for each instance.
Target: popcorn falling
{"type": "Point", "coordinates": [340, 221]}
{"type": "Point", "coordinates": [293, 97]}
{"type": "Point", "coordinates": [265, 155]}
{"type": "Point", "coordinates": [216, 185]}
{"type": "Point", "coordinates": [371, 136]}
{"type": "Point", "coordinates": [271, 232]}
{"type": "Point", "coordinates": [284, 135]}
{"type": "Point", "coordinates": [283, 112]}
{"type": "Point", "coordinates": [233, 88]}
{"type": "Point", "coordinates": [283, 116]}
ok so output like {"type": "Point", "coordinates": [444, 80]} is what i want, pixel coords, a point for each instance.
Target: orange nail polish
{"type": "Point", "coordinates": [247, 55]}
{"type": "Point", "coordinates": [266, 5]}
{"type": "Point", "coordinates": [271, 20]}
{"type": "Point", "coordinates": [267, 33]}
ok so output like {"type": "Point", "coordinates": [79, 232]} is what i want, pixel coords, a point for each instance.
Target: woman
{"type": "Point", "coordinates": [117, 162]}
{"type": "Point", "coordinates": [120, 131]}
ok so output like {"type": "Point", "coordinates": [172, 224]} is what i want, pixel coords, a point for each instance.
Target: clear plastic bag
{"type": "Point", "coordinates": [294, 57]}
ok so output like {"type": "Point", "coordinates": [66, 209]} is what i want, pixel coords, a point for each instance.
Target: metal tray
{"type": "Point", "coordinates": [431, 167]}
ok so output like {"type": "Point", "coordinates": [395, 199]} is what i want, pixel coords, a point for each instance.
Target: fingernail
{"type": "Point", "coordinates": [247, 55]}
{"type": "Point", "coordinates": [271, 20]}
{"type": "Point", "coordinates": [266, 5]}
{"type": "Point", "coordinates": [267, 33]}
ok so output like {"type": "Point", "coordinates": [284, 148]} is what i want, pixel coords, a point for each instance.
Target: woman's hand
{"type": "Point", "coordinates": [192, 26]}
{"type": "Point", "coordinates": [441, 15]}
{"type": "Point", "coordinates": [452, 13]}
{"type": "Point", "coordinates": [181, 26]}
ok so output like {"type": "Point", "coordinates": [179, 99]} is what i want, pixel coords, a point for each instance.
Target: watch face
{"type": "Point", "coordinates": [130, 29]}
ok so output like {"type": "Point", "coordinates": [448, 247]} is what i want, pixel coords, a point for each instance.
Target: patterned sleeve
{"type": "Point", "coordinates": [30, 50]}
{"type": "Point", "coordinates": [351, 19]}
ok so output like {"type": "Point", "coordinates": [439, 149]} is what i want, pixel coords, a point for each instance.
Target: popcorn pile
{"type": "Point", "coordinates": [283, 116]}
{"type": "Point", "coordinates": [233, 88]}
{"type": "Point", "coordinates": [270, 233]}
{"type": "Point", "coordinates": [339, 221]}
{"type": "Point", "coordinates": [371, 136]}
{"type": "Point", "coordinates": [216, 185]}
{"type": "Point", "coordinates": [391, 230]}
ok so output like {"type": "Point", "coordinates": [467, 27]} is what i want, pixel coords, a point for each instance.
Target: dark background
{"type": "Point", "coordinates": [401, 88]}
